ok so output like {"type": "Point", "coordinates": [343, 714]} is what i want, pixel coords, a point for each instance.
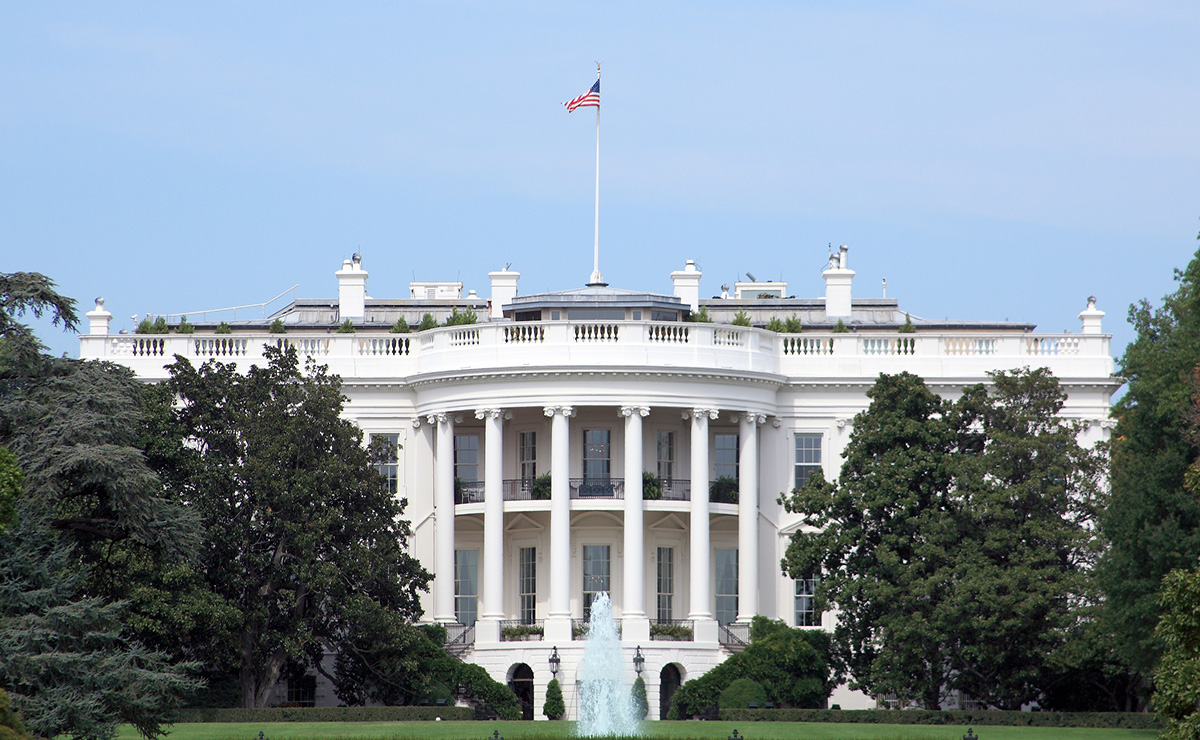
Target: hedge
{"type": "Point", "coordinates": [327, 714]}
{"type": "Point", "coordinates": [989, 717]}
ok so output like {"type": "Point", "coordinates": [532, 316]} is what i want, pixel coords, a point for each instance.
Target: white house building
{"type": "Point", "coordinates": [596, 440]}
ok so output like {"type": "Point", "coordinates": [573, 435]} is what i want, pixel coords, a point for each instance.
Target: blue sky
{"type": "Point", "coordinates": [991, 160]}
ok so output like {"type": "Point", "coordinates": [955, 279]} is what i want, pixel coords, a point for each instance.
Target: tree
{"type": "Point", "coordinates": [641, 705]}
{"type": "Point", "coordinates": [28, 293]}
{"type": "Point", "coordinates": [11, 484]}
{"type": "Point", "coordinates": [1177, 678]}
{"type": "Point", "coordinates": [1152, 522]}
{"type": "Point", "coordinates": [11, 726]}
{"type": "Point", "coordinates": [299, 524]}
{"type": "Point", "coordinates": [554, 708]}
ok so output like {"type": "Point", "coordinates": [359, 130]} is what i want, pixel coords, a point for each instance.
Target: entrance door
{"type": "Point", "coordinates": [668, 684]}
{"type": "Point", "coordinates": [522, 686]}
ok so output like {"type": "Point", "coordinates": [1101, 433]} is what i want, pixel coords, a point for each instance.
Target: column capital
{"type": "Point", "coordinates": [567, 411]}
{"type": "Point", "coordinates": [438, 418]}
{"type": "Point", "coordinates": [754, 419]}
{"type": "Point", "coordinates": [416, 423]}
{"type": "Point", "coordinates": [698, 413]}
{"type": "Point", "coordinates": [486, 413]}
{"type": "Point", "coordinates": [642, 411]}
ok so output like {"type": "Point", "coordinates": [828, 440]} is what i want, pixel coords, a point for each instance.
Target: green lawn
{"type": "Point", "coordinates": [672, 730]}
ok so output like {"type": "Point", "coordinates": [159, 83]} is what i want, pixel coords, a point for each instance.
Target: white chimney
{"type": "Point", "coordinates": [504, 289]}
{"type": "Point", "coordinates": [352, 289]}
{"type": "Point", "coordinates": [687, 285]}
{"type": "Point", "coordinates": [837, 286]}
{"type": "Point", "coordinates": [98, 319]}
{"type": "Point", "coordinates": [1090, 317]}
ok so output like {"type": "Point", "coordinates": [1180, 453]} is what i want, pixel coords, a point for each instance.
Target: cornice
{"type": "Point", "coordinates": [770, 380]}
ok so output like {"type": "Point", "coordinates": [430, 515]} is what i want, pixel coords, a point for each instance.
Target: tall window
{"type": "Point", "coordinates": [666, 455]}
{"type": "Point", "coordinates": [725, 463]}
{"type": "Point", "coordinates": [596, 449]}
{"type": "Point", "coordinates": [727, 586]}
{"type": "Point", "coordinates": [466, 457]}
{"type": "Point", "coordinates": [528, 583]}
{"type": "Point", "coordinates": [390, 469]}
{"type": "Point", "coordinates": [666, 583]}
{"type": "Point", "coordinates": [806, 606]}
{"type": "Point", "coordinates": [596, 574]}
{"type": "Point", "coordinates": [527, 452]}
{"type": "Point", "coordinates": [808, 457]}
{"type": "Point", "coordinates": [466, 586]}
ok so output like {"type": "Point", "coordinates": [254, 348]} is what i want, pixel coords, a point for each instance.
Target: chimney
{"type": "Point", "coordinates": [1090, 317]}
{"type": "Point", "coordinates": [504, 289]}
{"type": "Point", "coordinates": [352, 289]}
{"type": "Point", "coordinates": [687, 285]}
{"type": "Point", "coordinates": [837, 286]}
{"type": "Point", "coordinates": [98, 319]}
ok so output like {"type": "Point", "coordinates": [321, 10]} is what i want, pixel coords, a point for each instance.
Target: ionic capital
{"type": "Point", "coordinates": [642, 411]}
{"type": "Point", "coordinates": [566, 411]}
{"type": "Point", "coordinates": [488, 413]}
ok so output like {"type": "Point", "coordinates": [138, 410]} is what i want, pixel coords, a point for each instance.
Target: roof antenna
{"type": "Point", "coordinates": [885, 287]}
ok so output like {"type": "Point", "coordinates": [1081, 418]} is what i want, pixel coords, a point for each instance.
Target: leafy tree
{"type": "Point", "coordinates": [554, 708]}
{"type": "Point", "coordinates": [741, 693]}
{"type": "Point", "coordinates": [11, 726]}
{"type": "Point", "coordinates": [1177, 678]}
{"type": "Point", "coordinates": [299, 524]}
{"type": "Point", "coordinates": [1152, 521]}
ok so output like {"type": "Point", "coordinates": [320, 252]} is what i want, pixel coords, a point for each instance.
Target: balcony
{"type": "Point", "coordinates": [512, 630]}
{"type": "Point", "coordinates": [672, 630]}
{"type": "Point", "coordinates": [468, 492]}
{"type": "Point", "coordinates": [592, 488]}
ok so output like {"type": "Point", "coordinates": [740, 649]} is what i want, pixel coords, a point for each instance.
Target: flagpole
{"type": "Point", "coordinates": [597, 278]}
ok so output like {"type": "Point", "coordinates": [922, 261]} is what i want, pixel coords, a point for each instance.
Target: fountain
{"type": "Point", "coordinates": [605, 702]}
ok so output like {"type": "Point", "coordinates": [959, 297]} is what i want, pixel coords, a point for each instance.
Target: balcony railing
{"type": "Point", "coordinates": [674, 489]}
{"type": "Point", "coordinates": [678, 630]}
{"type": "Point", "coordinates": [598, 488]}
{"type": "Point", "coordinates": [468, 492]}
{"type": "Point", "coordinates": [459, 638]}
{"type": "Point", "coordinates": [735, 635]}
{"type": "Point", "coordinates": [579, 629]}
{"type": "Point", "coordinates": [514, 630]}
{"type": "Point", "coordinates": [723, 491]}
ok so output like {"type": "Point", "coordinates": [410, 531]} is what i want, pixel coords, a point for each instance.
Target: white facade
{"type": "Point", "coordinates": [593, 387]}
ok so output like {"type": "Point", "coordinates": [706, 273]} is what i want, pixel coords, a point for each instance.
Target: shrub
{"type": "Point", "coordinates": [346, 327]}
{"type": "Point", "coordinates": [513, 631]}
{"type": "Point", "coordinates": [907, 327]}
{"type": "Point", "coordinates": [640, 704]}
{"type": "Point", "coordinates": [329, 714]}
{"type": "Point", "coordinates": [983, 717]}
{"type": "Point", "coordinates": [11, 726]}
{"type": "Point", "coordinates": [224, 328]}
{"type": "Point", "coordinates": [776, 325]}
{"type": "Point", "coordinates": [701, 316]}
{"type": "Point", "coordinates": [677, 631]}
{"type": "Point", "coordinates": [427, 323]}
{"type": "Point", "coordinates": [741, 693]}
{"type": "Point", "coordinates": [277, 327]}
{"type": "Point", "coordinates": [539, 490]}
{"type": "Point", "coordinates": [840, 328]}
{"type": "Point", "coordinates": [723, 490]}
{"type": "Point", "coordinates": [651, 486]}
{"type": "Point", "coordinates": [401, 326]}
{"type": "Point", "coordinates": [793, 325]}
{"type": "Point", "coordinates": [158, 326]}
{"type": "Point", "coordinates": [554, 708]}
{"type": "Point", "coordinates": [185, 327]}
{"type": "Point", "coordinates": [459, 319]}
{"type": "Point", "coordinates": [741, 318]}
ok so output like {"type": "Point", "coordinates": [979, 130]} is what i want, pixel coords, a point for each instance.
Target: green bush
{"type": "Point", "coordinates": [554, 708]}
{"type": "Point", "coordinates": [513, 631]}
{"type": "Point", "coordinates": [277, 327]}
{"type": "Point", "coordinates": [651, 486]}
{"type": "Point", "coordinates": [793, 325]}
{"type": "Point", "coordinates": [185, 327]}
{"type": "Point", "coordinates": [539, 490]}
{"type": "Point", "coordinates": [158, 326]}
{"type": "Point", "coordinates": [460, 319]}
{"type": "Point", "coordinates": [641, 706]}
{"type": "Point", "coordinates": [329, 714]}
{"type": "Point", "coordinates": [741, 693]}
{"type": "Point", "coordinates": [401, 326]}
{"type": "Point", "coordinates": [676, 631]}
{"type": "Point", "coordinates": [976, 718]}
{"type": "Point", "coordinates": [11, 726]}
{"type": "Point", "coordinates": [346, 327]}
{"type": "Point", "coordinates": [776, 325]}
{"type": "Point", "coordinates": [427, 323]}
{"type": "Point", "coordinates": [907, 327]}
{"type": "Point", "coordinates": [701, 316]}
{"type": "Point", "coordinates": [840, 328]}
{"type": "Point", "coordinates": [224, 328]}
{"type": "Point", "coordinates": [723, 490]}
{"type": "Point", "coordinates": [741, 318]}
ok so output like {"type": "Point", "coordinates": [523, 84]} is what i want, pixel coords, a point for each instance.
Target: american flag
{"type": "Point", "coordinates": [590, 99]}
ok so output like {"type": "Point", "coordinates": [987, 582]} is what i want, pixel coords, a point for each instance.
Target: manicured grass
{"type": "Point", "coordinates": [664, 730]}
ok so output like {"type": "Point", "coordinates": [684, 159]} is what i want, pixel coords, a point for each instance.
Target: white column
{"type": "Point", "coordinates": [443, 501]}
{"type": "Point", "coordinates": [699, 603]}
{"type": "Point", "coordinates": [634, 599]}
{"type": "Point", "coordinates": [558, 615]}
{"type": "Point", "coordinates": [748, 517]}
{"type": "Point", "coordinates": [493, 514]}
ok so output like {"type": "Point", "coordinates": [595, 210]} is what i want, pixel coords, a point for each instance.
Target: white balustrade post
{"type": "Point", "coordinates": [558, 616]}
{"type": "Point", "coordinates": [634, 624]}
{"type": "Point", "coordinates": [443, 501]}
{"type": "Point", "coordinates": [699, 606]}
{"type": "Point", "coordinates": [493, 526]}
{"type": "Point", "coordinates": [748, 517]}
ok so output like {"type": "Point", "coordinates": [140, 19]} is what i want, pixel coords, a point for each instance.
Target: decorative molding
{"type": "Point", "coordinates": [642, 411]}
{"type": "Point", "coordinates": [486, 413]}
{"type": "Point", "coordinates": [752, 418]}
{"type": "Point", "coordinates": [776, 422]}
{"type": "Point", "coordinates": [842, 422]}
{"type": "Point", "coordinates": [567, 411]}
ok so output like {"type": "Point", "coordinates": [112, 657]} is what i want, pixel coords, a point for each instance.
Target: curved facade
{"type": "Point", "coordinates": [594, 440]}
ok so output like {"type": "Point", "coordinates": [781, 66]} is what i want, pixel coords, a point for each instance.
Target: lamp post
{"type": "Point", "coordinates": [554, 661]}
{"type": "Point", "coordinates": [639, 660]}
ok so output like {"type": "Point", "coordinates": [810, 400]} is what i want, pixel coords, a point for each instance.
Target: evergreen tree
{"type": "Point", "coordinates": [1177, 678]}
{"type": "Point", "coordinates": [641, 705]}
{"type": "Point", "coordinates": [554, 708]}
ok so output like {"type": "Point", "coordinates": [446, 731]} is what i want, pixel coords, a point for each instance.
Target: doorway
{"type": "Point", "coordinates": [521, 684]}
{"type": "Point", "coordinates": [668, 684]}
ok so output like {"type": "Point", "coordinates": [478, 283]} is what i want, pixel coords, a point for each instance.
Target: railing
{"type": "Point", "coordinates": [468, 492]}
{"type": "Point", "coordinates": [735, 635]}
{"type": "Point", "coordinates": [723, 491]}
{"type": "Point", "coordinates": [674, 489]}
{"type": "Point", "coordinates": [675, 630]}
{"type": "Point", "coordinates": [515, 630]}
{"type": "Point", "coordinates": [579, 629]}
{"type": "Point", "coordinates": [598, 488]}
{"type": "Point", "coordinates": [459, 638]}
{"type": "Point", "coordinates": [524, 489]}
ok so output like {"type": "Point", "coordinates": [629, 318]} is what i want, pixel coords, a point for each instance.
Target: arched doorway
{"type": "Point", "coordinates": [668, 684]}
{"type": "Point", "coordinates": [521, 682]}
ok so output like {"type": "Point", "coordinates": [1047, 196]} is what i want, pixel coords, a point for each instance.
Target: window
{"type": "Point", "coordinates": [595, 575]}
{"type": "Point", "coordinates": [390, 469]}
{"type": "Point", "coordinates": [726, 460]}
{"type": "Point", "coordinates": [302, 689]}
{"type": "Point", "coordinates": [596, 454]}
{"type": "Point", "coordinates": [528, 584]}
{"type": "Point", "coordinates": [727, 586]}
{"type": "Point", "coordinates": [808, 457]}
{"type": "Point", "coordinates": [527, 455]}
{"type": "Point", "coordinates": [806, 606]}
{"type": "Point", "coordinates": [666, 455]}
{"type": "Point", "coordinates": [466, 457]}
{"type": "Point", "coordinates": [666, 582]}
{"type": "Point", "coordinates": [466, 586]}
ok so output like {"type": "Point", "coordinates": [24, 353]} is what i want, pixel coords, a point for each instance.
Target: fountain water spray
{"type": "Point", "coordinates": [605, 702]}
